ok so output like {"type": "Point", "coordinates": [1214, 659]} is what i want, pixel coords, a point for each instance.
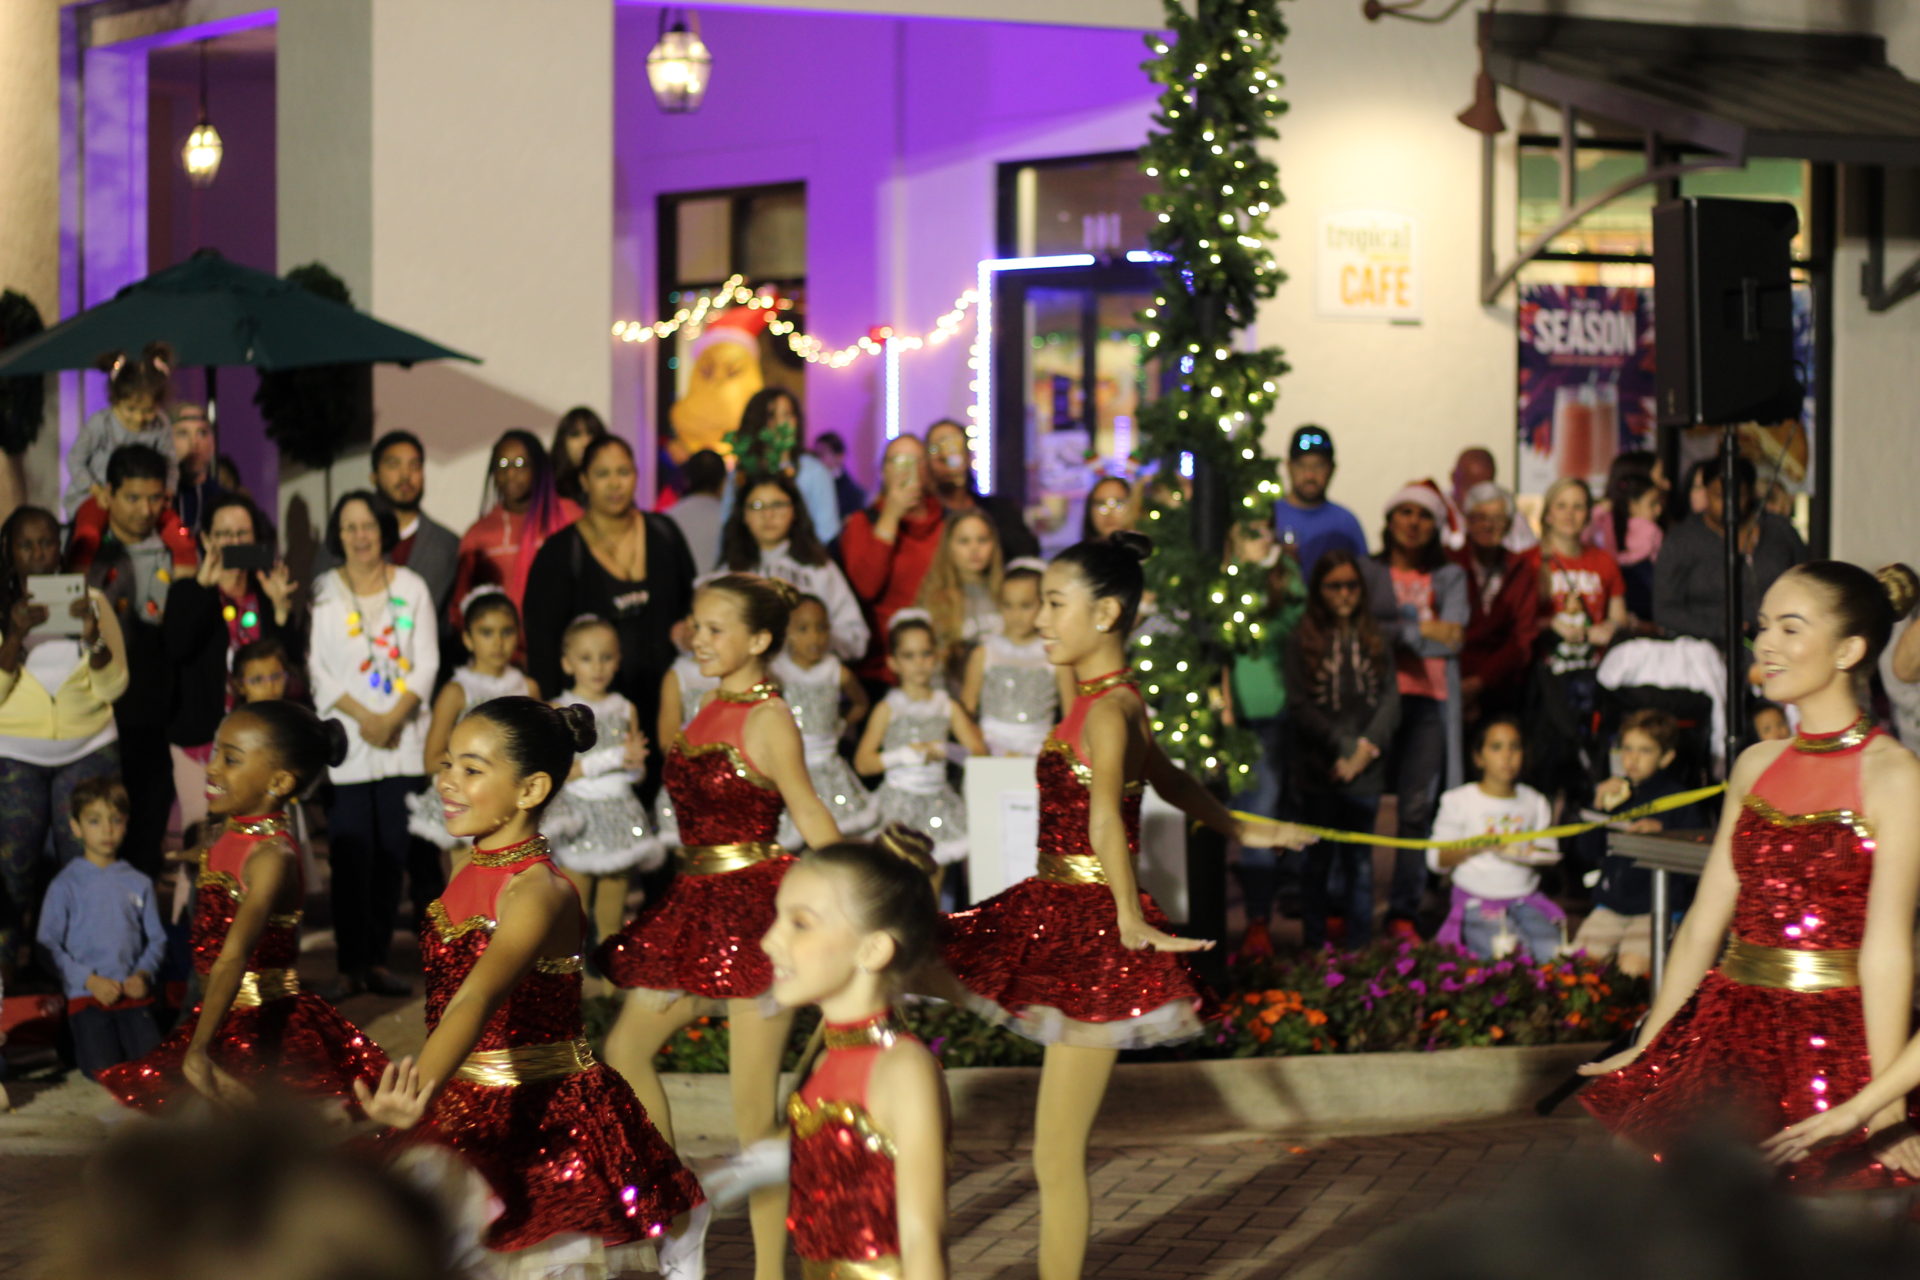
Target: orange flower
{"type": "Point", "coordinates": [1315, 1018]}
{"type": "Point", "coordinates": [1498, 1033]}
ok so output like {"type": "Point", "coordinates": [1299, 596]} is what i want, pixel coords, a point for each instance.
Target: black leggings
{"type": "Point", "coordinates": [369, 849]}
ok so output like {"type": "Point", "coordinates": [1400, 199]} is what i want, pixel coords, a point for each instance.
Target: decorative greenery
{"type": "Point", "coordinates": [23, 401]}
{"type": "Point", "coordinates": [1220, 96]}
{"type": "Point", "coordinates": [1391, 997]}
{"type": "Point", "coordinates": [312, 413]}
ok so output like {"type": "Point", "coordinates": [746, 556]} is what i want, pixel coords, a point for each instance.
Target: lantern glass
{"type": "Point", "coordinates": [201, 155]}
{"type": "Point", "coordinates": [678, 70]}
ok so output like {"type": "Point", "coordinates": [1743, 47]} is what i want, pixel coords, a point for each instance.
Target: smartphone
{"type": "Point", "coordinates": [255, 556]}
{"type": "Point", "coordinates": [57, 592]}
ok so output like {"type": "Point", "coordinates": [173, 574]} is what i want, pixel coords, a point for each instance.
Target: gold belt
{"type": "Point", "coordinates": [257, 987]}
{"type": "Point", "coordinates": [1753, 966]}
{"type": "Point", "coordinates": [885, 1267]}
{"type": "Point", "coordinates": [1072, 868]}
{"type": "Point", "coordinates": [712, 859]}
{"type": "Point", "coordinates": [500, 1068]}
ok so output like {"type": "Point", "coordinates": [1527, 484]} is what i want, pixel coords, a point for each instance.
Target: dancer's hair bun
{"type": "Point", "coordinates": [578, 718]}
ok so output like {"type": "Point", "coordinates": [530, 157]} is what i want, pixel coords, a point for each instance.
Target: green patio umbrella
{"type": "Point", "coordinates": [216, 312]}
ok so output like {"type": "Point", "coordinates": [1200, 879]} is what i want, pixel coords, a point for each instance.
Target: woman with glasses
{"type": "Point", "coordinates": [772, 436]}
{"type": "Point", "coordinates": [765, 536]}
{"type": "Point", "coordinates": [500, 547]}
{"type": "Point", "coordinates": [1343, 707]}
{"type": "Point", "coordinates": [1111, 506]}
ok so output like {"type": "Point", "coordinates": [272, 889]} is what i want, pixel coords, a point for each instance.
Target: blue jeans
{"type": "Point", "coordinates": [1258, 870]}
{"type": "Point", "coordinates": [1338, 877]}
{"type": "Point", "coordinates": [1539, 933]}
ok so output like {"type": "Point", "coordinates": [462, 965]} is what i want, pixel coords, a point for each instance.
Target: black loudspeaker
{"type": "Point", "coordinates": [1723, 312]}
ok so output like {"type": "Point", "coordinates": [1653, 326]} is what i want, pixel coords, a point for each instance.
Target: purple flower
{"type": "Point", "coordinates": [1499, 998]}
{"type": "Point", "coordinates": [1418, 987]}
{"type": "Point", "coordinates": [1335, 977]}
{"type": "Point", "coordinates": [1448, 984]}
{"type": "Point", "coordinates": [938, 1044]}
{"type": "Point", "coordinates": [1446, 966]}
{"type": "Point", "coordinates": [1404, 965]}
{"type": "Point", "coordinates": [1376, 991]}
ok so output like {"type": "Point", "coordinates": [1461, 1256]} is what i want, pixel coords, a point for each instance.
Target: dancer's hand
{"type": "Point", "coordinates": [401, 1099]}
{"type": "Point", "coordinates": [1138, 935]}
{"type": "Point", "coordinates": [212, 1081]}
{"type": "Point", "coordinates": [1796, 1140]}
{"type": "Point", "coordinates": [1607, 1066]}
{"type": "Point", "coordinates": [1274, 835]}
{"type": "Point", "coordinates": [1898, 1147]}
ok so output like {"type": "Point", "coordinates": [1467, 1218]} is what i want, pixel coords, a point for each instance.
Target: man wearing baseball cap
{"type": "Point", "coordinates": [1305, 518]}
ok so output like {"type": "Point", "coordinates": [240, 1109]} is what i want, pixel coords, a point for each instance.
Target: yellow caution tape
{"type": "Point", "coordinates": [1662, 805]}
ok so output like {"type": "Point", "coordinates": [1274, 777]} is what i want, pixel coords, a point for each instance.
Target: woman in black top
{"type": "Point", "coordinates": [628, 566]}
{"type": "Point", "coordinates": [208, 617]}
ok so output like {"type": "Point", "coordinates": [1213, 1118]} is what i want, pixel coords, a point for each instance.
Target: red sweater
{"type": "Point", "coordinates": [886, 575]}
{"type": "Point", "coordinates": [1499, 642]}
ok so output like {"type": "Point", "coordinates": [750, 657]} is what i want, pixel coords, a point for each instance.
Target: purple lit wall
{"type": "Point", "coordinates": [896, 127]}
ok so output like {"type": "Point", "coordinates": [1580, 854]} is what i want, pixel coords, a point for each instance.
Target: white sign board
{"type": "Point", "coordinates": [1367, 266]}
{"type": "Point", "coordinates": [1003, 830]}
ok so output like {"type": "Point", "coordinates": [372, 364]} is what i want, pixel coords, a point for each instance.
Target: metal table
{"type": "Point", "coordinates": [1663, 853]}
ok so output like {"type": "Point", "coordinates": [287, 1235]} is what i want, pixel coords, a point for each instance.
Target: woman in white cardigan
{"type": "Point", "coordinates": [373, 654]}
{"type": "Point", "coordinates": [765, 535]}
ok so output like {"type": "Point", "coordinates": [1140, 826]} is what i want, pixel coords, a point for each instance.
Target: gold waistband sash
{"type": "Point", "coordinates": [1755, 966]}
{"type": "Point", "coordinates": [500, 1068]}
{"type": "Point", "coordinates": [712, 859]}
{"type": "Point", "coordinates": [885, 1267]}
{"type": "Point", "coordinates": [259, 986]}
{"type": "Point", "coordinates": [1071, 868]}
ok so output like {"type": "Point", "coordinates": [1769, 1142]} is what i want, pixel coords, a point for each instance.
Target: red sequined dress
{"type": "Point", "coordinates": [566, 1148]}
{"type": "Point", "coordinates": [275, 1036]}
{"type": "Point", "coordinates": [702, 937]}
{"type": "Point", "coordinates": [1044, 957]}
{"type": "Point", "coordinates": [842, 1212]}
{"type": "Point", "coordinates": [1775, 1031]}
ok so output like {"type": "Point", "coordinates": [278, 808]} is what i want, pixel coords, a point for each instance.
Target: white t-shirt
{"type": "Point", "coordinates": [1467, 811]}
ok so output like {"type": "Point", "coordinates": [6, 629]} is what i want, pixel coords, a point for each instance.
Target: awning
{"type": "Point", "coordinates": [1732, 90]}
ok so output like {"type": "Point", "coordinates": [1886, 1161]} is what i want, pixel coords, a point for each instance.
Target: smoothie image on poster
{"type": "Point", "coordinates": [1586, 381]}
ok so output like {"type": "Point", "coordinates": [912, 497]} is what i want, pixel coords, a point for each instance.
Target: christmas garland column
{"type": "Point", "coordinates": [1220, 96]}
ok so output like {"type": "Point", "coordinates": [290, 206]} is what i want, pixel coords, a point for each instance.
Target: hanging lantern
{"type": "Point", "coordinates": [678, 66]}
{"type": "Point", "coordinates": [201, 155]}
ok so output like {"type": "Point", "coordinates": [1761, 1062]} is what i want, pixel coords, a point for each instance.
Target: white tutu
{"type": "Point", "coordinates": [606, 834]}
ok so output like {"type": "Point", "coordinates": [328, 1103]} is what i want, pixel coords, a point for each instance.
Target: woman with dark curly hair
{"type": "Point", "coordinates": [527, 510]}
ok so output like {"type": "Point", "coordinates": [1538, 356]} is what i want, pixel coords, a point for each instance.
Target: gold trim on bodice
{"type": "Point", "coordinates": [259, 986]}
{"type": "Point", "coordinates": [885, 1267]}
{"type": "Point", "coordinates": [809, 1118]}
{"type": "Point", "coordinates": [881, 1029]}
{"type": "Point", "coordinates": [1071, 868]}
{"type": "Point", "coordinates": [1789, 970]}
{"type": "Point", "coordinates": [1100, 684]}
{"type": "Point", "coordinates": [758, 693]}
{"type": "Point", "coordinates": [1846, 740]}
{"type": "Point", "coordinates": [449, 931]}
{"type": "Point", "coordinates": [525, 1064]}
{"type": "Point", "coordinates": [1766, 812]}
{"type": "Point", "coordinates": [271, 824]}
{"type": "Point", "coordinates": [1082, 771]}
{"type": "Point", "coordinates": [714, 859]}
{"type": "Point", "coordinates": [559, 965]}
{"type": "Point", "coordinates": [527, 850]}
{"type": "Point", "coordinates": [694, 750]}
{"type": "Point", "coordinates": [229, 884]}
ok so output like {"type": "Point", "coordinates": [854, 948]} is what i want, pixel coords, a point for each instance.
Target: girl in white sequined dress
{"type": "Point", "coordinates": [491, 632]}
{"type": "Point", "coordinates": [814, 683]}
{"type": "Point", "coordinates": [907, 739]}
{"type": "Point", "coordinates": [1011, 687]}
{"type": "Point", "coordinates": [608, 834]}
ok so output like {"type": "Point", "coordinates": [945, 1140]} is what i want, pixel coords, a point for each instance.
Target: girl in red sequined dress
{"type": "Point", "coordinates": [1076, 957]}
{"type": "Point", "coordinates": [868, 1173]}
{"type": "Point", "coordinates": [1788, 985]}
{"type": "Point", "coordinates": [256, 1029]}
{"type": "Point", "coordinates": [730, 773]}
{"type": "Point", "coordinates": [584, 1183]}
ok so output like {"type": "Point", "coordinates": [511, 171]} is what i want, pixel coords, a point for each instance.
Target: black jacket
{"type": "Point", "coordinates": [194, 640]}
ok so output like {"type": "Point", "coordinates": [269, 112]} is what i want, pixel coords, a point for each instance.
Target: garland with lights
{"type": "Point", "coordinates": [1220, 96]}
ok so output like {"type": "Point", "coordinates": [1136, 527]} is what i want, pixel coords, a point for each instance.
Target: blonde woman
{"type": "Point", "coordinates": [961, 592]}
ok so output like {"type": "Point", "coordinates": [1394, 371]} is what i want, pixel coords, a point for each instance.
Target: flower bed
{"type": "Point", "coordinates": [1403, 997]}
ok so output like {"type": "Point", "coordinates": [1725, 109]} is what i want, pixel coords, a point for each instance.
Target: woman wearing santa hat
{"type": "Point", "coordinates": [1431, 592]}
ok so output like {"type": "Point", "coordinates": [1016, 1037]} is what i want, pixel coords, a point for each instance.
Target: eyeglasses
{"type": "Point", "coordinates": [1107, 506]}
{"type": "Point", "coordinates": [951, 455]}
{"type": "Point", "coordinates": [1340, 584]}
{"type": "Point", "coordinates": [903, 462]}
{"type": "Point", "coordinates": [770, 504]}
{"type": "Point", "coordinates": [513, 464]}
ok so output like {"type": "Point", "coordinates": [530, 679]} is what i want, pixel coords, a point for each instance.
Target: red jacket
{"type": "Point", "coordinates": [1499, 642]}
{"type": "Point", "coordinates": [886, 576]}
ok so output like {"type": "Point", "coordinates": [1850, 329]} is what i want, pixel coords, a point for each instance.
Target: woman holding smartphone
{"type": "Point", "coordinates": [239, 593]}
{"type": "Point", "coordinates": [56, 714]}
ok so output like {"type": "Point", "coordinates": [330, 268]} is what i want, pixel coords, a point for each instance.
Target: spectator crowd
{"type": "Point", "coordinates": [1480, 673]}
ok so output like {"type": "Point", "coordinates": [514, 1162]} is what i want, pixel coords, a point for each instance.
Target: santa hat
{"type": "Point", "coordinates": [1421, 493]}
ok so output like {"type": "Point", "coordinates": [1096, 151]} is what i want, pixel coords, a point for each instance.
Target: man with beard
{"type": "Point", "coordinates": [950, 460]}
{"type": "Point", "coordinates": [1306, 519]}
{"type": "Point", "coordinates": [426, 546]}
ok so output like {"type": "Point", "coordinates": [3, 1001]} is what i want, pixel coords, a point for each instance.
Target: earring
{"type": "Point", "coordinates": [1102, 627]}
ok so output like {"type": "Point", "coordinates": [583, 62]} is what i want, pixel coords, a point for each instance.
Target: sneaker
{"type": "Point", "coordinates": [1258, 944]}
{"type": "Point", "coordinates": [684, 1257]}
